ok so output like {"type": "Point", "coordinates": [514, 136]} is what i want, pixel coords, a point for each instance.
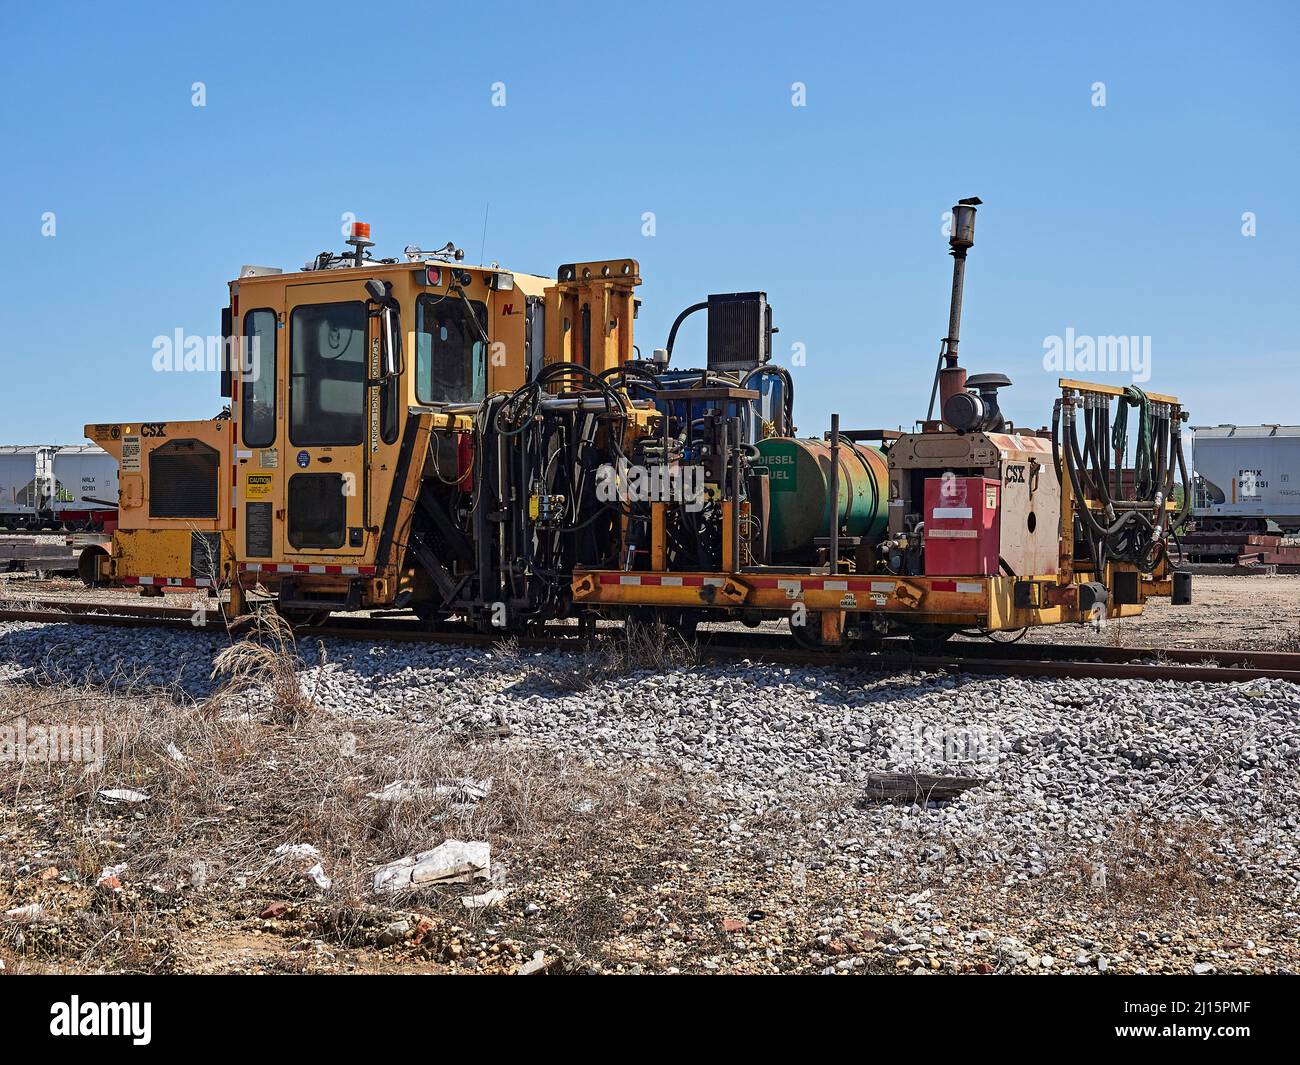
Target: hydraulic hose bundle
{"type": "Point", "coordinates": [1127, 523]}
{"type": "Point", "coordinates": [536, 500]}
{"type": "Point", "coordinates": [1144, 451]}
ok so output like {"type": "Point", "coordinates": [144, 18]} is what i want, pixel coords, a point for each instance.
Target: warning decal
{"type": "Point", "coordinates": [131, 453]}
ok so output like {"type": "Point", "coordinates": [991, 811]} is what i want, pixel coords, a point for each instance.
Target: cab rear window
{"type": "Point", "coordinates": [327, 385]}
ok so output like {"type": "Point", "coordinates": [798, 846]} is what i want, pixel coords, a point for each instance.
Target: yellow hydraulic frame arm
{"type": "Point", "coordinates": [1073, 392]}
{"type": "Point", "coordinates": [589, 313]}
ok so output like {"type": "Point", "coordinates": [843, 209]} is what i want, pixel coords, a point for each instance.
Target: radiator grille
{"type": "Point", "coordinates": [740, 331]}
{"type": "Point", "coordinates": [183, 480]}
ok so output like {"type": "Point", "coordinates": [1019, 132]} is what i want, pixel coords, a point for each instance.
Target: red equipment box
{"type": "Point", "coordinates": [961, 526]}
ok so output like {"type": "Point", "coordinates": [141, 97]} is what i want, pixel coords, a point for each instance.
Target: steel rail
{"type": "Point", "coordinates": [1214, 665]}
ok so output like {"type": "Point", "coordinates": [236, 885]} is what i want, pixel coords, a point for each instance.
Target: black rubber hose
{"type": "Point", "coordinates": [1103, 453]}
{"type": "Point", "coordinates": [1089, 453]}
{"type": "Point", "coordinates": [1162, 468]}
{"type": "Point", "coordinates": [1182, 473]}
{"type": "Point", "coordinates": [1103, 540]}
{"type": "Point", "coordinates": [1056, 448]}
{"type": "Point", "coordinates": [672, 333]}
{"type": "Point", "coordinates": [625, 369]}
{"type": "Point", "coordinates": [1098, 465]}
{"type": "Point", "coordinates": [1092, 532]}
{"type": "Point", "coordinates": [613, 399]}
{"type": "Point", "coordinates": [1057, 464]}
{"type": "Point", "coordinates": [1072, 453]}
{"type": "Point", "coordinates": [1103, 448]}
{"type": "Point", "coordinates": [1178, 543]}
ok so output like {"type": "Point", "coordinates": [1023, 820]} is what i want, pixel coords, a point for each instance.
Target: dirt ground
{"type": "Point", "coordinates": [1262, 612]}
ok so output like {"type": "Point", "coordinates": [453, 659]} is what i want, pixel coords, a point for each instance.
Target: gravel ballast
{"type": "Point", "coordinates": [1066, 763]}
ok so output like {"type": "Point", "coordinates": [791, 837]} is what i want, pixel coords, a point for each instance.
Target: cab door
{"type": "Point", "coordinates": [331, 369]}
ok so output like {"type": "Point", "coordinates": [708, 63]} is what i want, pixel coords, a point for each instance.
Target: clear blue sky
{"type": "Point", "coordinates": [1117, 220]}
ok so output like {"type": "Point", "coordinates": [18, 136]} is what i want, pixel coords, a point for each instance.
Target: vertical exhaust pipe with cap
{"type": "Point", "coordinates": [949, 377]}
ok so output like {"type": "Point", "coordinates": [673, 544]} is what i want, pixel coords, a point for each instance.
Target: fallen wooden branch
{"type": "Point", "coordinates": [916, 787]}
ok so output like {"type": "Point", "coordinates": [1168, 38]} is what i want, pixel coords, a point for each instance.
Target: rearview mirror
{"type": "Point", "coordinates": [227, 354]}
{"type": "Point", "coordinates": [391, 343]}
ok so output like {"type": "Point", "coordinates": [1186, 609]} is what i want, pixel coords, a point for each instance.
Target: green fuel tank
{"type": "Point", "coordinates": [799, 483]}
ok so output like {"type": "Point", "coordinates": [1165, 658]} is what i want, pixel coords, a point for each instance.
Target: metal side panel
{"type": "Point", "coordinates": [392, 549]}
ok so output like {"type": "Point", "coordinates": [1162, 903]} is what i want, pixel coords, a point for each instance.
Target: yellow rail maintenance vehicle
{"type": "Point", "coordinates": [469, 442]}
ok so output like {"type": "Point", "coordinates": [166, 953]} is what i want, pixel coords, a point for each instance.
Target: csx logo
{"type": "Point", "coordinates": [153, 429]}
{"type": "Point", "coordinates": [1015, 475]}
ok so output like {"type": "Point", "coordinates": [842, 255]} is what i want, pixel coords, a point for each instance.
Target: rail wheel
{"type": "Point", "coordinates": [809, 635]}
{"type": "Point", "coordinates": [88, 564]}
{"type": "Point", "coordinates": [301, 618]}
{"type": "Point", "coordinates": [430, 615]}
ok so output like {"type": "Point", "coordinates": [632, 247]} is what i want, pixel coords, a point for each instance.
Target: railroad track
{"type": "Point", "coordinates": [896, 655]}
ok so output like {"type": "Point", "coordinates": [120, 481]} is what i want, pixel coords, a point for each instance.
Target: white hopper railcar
{"type": "Point", "coordinates": [1246, 476]}
{"type": "Point", "coordinates": [25, 486]}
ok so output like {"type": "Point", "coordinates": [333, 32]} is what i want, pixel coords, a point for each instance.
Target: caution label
{"type": "Point", "coordinates": [258, 486]}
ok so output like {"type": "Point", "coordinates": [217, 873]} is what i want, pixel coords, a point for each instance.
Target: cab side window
{"type": "Point", "coordinates": [450, 355]}
{"type": "Point", "coordinates": [257, 377]}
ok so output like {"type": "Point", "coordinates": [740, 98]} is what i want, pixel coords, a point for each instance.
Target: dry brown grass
{"type": "Point", "coordinates": [1288, 640]}
{"type": "Point", "coordinates": [1150, 865]}
{"type": "Point", "coordinates": [637, 646]}
{"type": "Point", "coordinates": [231, 778]}
{"type": "Point", "coordinates": [1117, 634]}
{"type": "Point", "coordinates": [266, 660]}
